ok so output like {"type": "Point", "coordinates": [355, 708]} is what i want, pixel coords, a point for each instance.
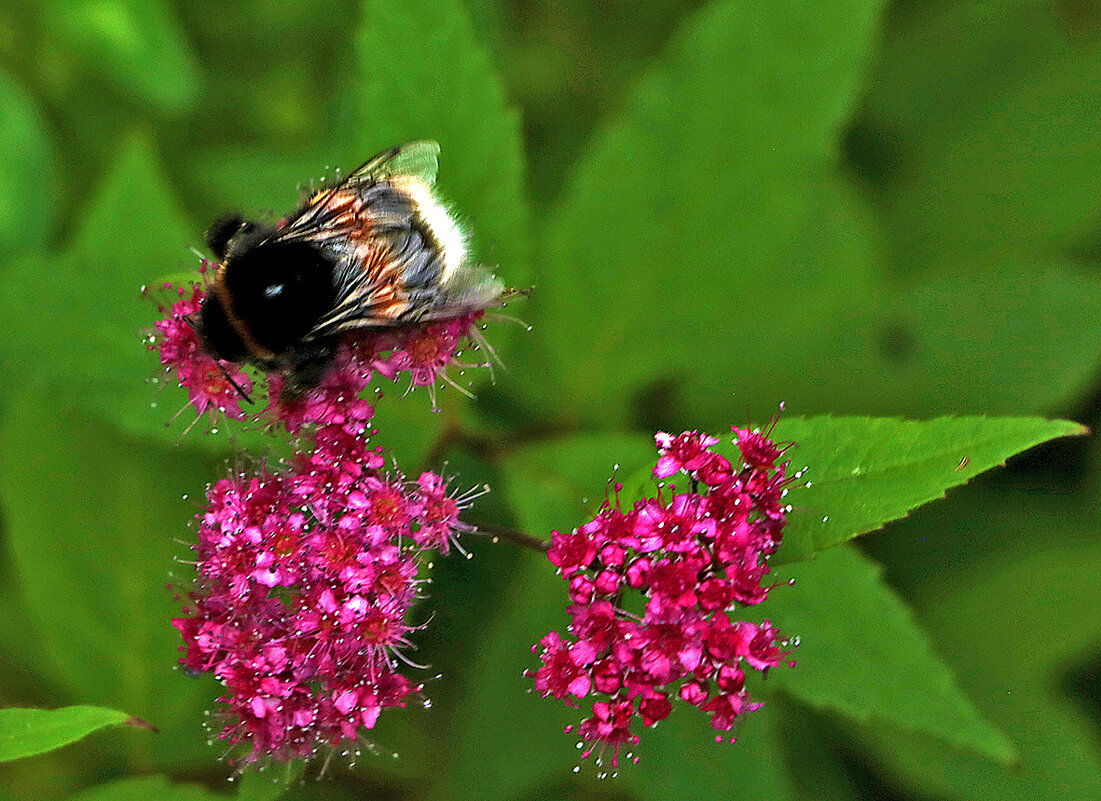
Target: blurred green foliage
{"type": "Point", "coordinates": [860, 207]}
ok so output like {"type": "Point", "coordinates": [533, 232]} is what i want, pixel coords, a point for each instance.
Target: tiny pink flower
{"type": "Point", "coordinates": [571, 551]}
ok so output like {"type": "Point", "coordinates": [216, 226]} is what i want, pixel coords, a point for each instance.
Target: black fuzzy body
{"type": "Point", "coordinates": [268, 297]}
{"type": "Point", "coordinates": [280, 291]}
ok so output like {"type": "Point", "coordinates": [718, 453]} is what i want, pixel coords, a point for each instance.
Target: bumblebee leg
{"type": "Point", "coordinates": [308, 363]}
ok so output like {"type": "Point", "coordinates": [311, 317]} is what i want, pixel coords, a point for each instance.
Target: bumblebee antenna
{"type": "Point", "coordinates": [236, 386]}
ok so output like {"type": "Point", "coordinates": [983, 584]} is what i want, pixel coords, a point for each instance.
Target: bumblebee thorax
{"type": "Point", "coordinates": [266, 298]}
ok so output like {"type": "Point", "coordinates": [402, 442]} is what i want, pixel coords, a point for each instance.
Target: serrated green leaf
{"type": "Point", "coordinates": [144, 788]}
{"type": "Point", "coordinates": [862, 655]}
{"type": "Point", "coordinates": [26, 173]}
{"type": "Point", "coordinates": [26, 732]}
{"type": "Point", "coordinates": [866, 471]}
{"type": "Point", "coordinates": [138, 44]}
{"type": "Point", "coordinates": [93, 520]}
{"type": "Point", "coordinates": [420, 73]}
{"type": "Point", "coordinates": [712, 197]}
{"type": "Point", "coordinates": [1012, 629]}
{"type": "Point", "coordinates": [987, 138]}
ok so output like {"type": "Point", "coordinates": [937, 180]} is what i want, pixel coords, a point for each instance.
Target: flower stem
{"type": "Point", "coordinates": [520, 538]}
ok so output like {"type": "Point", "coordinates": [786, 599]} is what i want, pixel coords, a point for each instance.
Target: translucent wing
{"type": "Point", "coordinates": [418, 159]}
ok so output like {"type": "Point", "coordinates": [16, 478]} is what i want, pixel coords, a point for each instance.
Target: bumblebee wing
{"type": "Point", "coordinates": [401, 284]}
{"type": "Point", "coordinates": [392, 265]}
{"type": "Point", "coordinates": [416, 159]}
{"type": "Point", "coordinates": [324, 217]}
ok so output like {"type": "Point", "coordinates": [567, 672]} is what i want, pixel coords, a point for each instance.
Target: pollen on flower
{"type": "Point", "coordinates": [425, 352]}
{"type": "Point", "coordinates": [694, 557]}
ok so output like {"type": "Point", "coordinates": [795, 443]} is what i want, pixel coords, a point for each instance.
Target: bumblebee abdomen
{"type": "Point", "coordinates": [441, 231]}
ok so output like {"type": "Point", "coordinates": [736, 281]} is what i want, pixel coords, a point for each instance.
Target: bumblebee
{"type": "Point", "coordinates": [375, 250]}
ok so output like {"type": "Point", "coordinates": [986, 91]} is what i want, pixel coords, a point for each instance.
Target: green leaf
{"type": "Point", "coordinates": [85, 336]}
{"type": "Point", "coordinates": [983, 166]}
{"type": "Point", "coordinates": [712, 197]}
{"type": "Point", "coordinates": [814, 766]}
{"type": "Point", "coordinates": [1011, 340]}
{"type": "Point", "coordinates": [556, 484]}
{"type": "Point", "coordinates": [486, 747]}
{"type": "Point", "coordinates": [1006, 508]}
{"type": "Point", "coordinates": [90, 317]}
{"type": "Point", "coordinates": [1012, 629]}
{"type": "Point", "coordinates": [26, 732]}
{"type": "Point", "coordinates": [144, 788]}
{"type": "Point", "coordinates": [26, 173]}
{"type": "Point", "coordinates": [94, 521]}
{"type": "Point", "coordinates": [259, 182]}
{"type": "Point", "coordinates": [861, 654]}
{"type": "Point", "coordinates": [866, 471]}
{"type": "Point", "coordinates": [1015, 339]}
{"type": "Point", "coordinates": [420, 73]}
{"type": "Point", "coordinates": [138, 44]}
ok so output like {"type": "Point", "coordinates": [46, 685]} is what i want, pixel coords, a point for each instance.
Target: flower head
{"type": "Point", "coordinates": [693, 556]}
{"type": "Point", "coordinates": [306, 579]}
{"type": "Point", "coordinates": [306, 573]}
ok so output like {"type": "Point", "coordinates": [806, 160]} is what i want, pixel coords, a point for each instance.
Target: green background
{"type": "Point", "coordinates": [856, 207]}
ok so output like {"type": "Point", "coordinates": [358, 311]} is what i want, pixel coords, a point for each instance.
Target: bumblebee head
{"type": "Point", "coordinates": [216, 332]}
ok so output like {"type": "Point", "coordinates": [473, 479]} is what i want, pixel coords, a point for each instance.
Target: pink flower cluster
{"type": "Point", "coordinates": [306, 574]}
{"type": "Point", "coordinates": [693, 556]}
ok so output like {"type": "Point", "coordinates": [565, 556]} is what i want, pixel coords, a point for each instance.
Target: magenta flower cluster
{"type": "Point", "coordinates": [693, 556]}
{"type": "Point", "coordinates": [307, 573]}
